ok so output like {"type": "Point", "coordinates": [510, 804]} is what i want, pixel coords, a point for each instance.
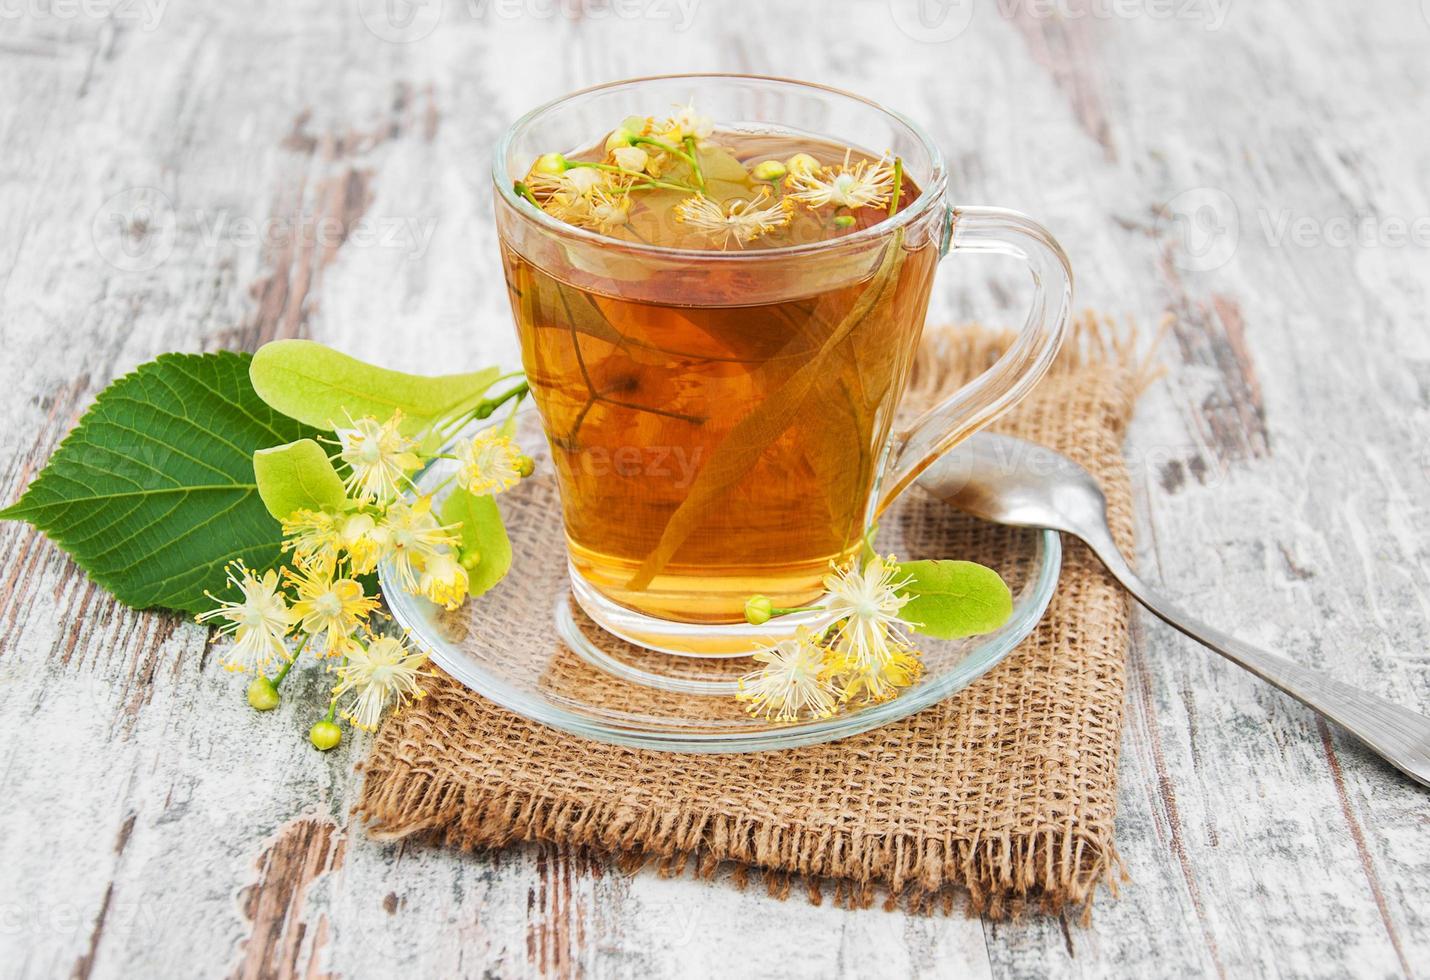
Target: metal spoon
{"type": "Point", "coordinates": [1011, 481]}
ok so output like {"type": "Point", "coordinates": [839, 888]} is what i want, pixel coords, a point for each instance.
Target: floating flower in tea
{"type": "Point", "coordinates": [858, 185]}
{"type": "Point", "coordinates": [726, 202]}
{"type": "Point", "coordinates": [737, 221]}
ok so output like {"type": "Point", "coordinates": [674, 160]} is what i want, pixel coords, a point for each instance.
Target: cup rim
{"type": "Point", "coordinates": [927, 198]}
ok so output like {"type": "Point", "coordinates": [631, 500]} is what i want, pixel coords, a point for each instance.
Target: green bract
{"type": "Point", "coordinates": [482, 532]}
{"type": "Point", "coordinates": [153, 492]}
{"type": "Point", "coordinates": [953, 599]}
{"type": "Point", "coordinates": [298, 476]}
{"type": "Point", "coordinates": [321, 387]}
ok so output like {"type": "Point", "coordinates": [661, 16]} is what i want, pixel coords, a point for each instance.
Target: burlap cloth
{"type": "Point", "coordinates": [1005, 792]}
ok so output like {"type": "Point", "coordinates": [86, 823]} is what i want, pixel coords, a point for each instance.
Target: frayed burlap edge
{"type": "Point", "coordinates": [1051, 869]}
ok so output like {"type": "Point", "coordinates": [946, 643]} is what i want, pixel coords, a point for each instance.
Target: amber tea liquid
{"type": "Point", "coordinates": [710, 448]}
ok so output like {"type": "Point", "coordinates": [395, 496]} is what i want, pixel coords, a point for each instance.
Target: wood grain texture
{"type": "Point", "coordinates": [195, 175]}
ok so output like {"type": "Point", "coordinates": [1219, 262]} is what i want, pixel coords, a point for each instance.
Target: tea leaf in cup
{"type": "Point", "coordinates": [325, 388]}
{"type": "Point", "coordinates": [766, 422]}
{"type": "Point", "coordinates": [949, 600]}
{"type": "Point", "coordinates": [297, 476]}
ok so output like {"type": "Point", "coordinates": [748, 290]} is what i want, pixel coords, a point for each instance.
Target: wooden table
{"type": "Point", "coordinates": [200, 175]}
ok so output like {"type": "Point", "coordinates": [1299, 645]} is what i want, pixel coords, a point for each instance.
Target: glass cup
{"type": "Point", "coordinates": [722, 422]}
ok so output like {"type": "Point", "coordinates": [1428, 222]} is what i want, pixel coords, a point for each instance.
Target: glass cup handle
{"type": "Point", "coordinates": [1000, 232]}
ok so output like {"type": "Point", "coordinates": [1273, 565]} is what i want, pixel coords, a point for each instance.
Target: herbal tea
{"type": "Point", "coordinates": [718, 436]}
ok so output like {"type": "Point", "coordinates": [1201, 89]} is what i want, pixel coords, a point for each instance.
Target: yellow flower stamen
{"type": "Point", "coordinates": [489, 462]}
{"type": "Point", "coordinates": [258, 622]}
{"type": "Point", "coordinates": [872, 655]}
{"type": "Point", "coordinates": [793, 683]}
{"type": "Point", "coordinates": [333, 607]}
{"type": "Point", "coordinates": [864, 184]}
{"type": "Point", "coordinates": [382, 673]}
{"type": "Point", "coordinates": [444, 580]}
{"type": "Point", "coordinates": [379, 456]}
{"type": "Point", "coordinates": [737, 221]}
{"type": "Point", "coordinates": [411, 537]}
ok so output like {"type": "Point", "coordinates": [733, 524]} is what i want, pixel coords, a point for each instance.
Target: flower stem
{"type": "Point", "coordinates": [898, 186]}
{"type": "Point", "coordinates": [667, 147]}
{"type": "Point", "coordinates": [487, 406]}
{"type": "Point", "coordinates": [609, 168]}
{"type": "Point", "coordinates": [523, 191]}
{"type": "Point", "coordinates": [332, 710]}
{"type": "Point", "coordinates": [695, 163]}
{"type": "Point", "coordinates": [283, 671]}
{"type": "Point", "coordinates": [781, 611]}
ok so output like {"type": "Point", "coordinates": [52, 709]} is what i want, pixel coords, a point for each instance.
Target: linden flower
{"type": "Point", "coordinates": [602, 208]}
{"type": "Point", "coordinates": [686, 121]}
{"type": "Point", "coordinates": [866, 604]}
{"type": "Point", "coordinates": [864, 184]}
{"type": "Point", "coordinates": [792, 685]}
{"type": "Point", "coordinates": [312, 536]}
{"type": "Point", "coordinates": [356, 535]}
{"type": "Point", "coordinates": [489, 462]}
{"type": "Point", "coordinates": [379, 456]}
{"type": "Point", "coordinates": [739, 221]}
{"type": "Point", "coordinates": [575, 181]}
{"type": "Point", "coordinates": [444, 580]}
{"type": "Point", "coordinates": [878, 681]}
{"type": "Point", "coordinates": [412, 537]}
{"type": "Point", "coordinates": [325, 605]}
{"type": "Point", "coordinates": [384, 672]}
{"type": "Point", "coordinates": [258, 623]}
{"type": "Point", "coordinates": [630, 158]}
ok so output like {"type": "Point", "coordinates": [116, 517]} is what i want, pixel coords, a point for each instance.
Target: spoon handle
{"type": "Point", "coordinates": [1397, 734]}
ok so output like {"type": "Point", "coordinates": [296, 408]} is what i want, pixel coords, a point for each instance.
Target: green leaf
{"type": "Point", "coordinates": [153, 492]}
{"type": "Point", "coordinates": [953, 599]}
{"type": "Point", "coordinates": [482, 532]}
{"type": "Point", "coordinates": [298, 476]}
{"type": "Point", "coordinates": [324, 388]}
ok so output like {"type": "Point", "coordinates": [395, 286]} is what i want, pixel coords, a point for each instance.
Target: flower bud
{"type": "Point", "coordinates": [620, 136]}
{"type": "Point", "coordinates": [630, 158]}
{"type": "Point", "coordinates": [525, 465]}
{"type": "Point", "coordinates": [769, 170]}
{"type": "Point", "coordinates": [758, 609]}
{"type": "Point", "coordinates": [262, 695]}
{"type": "Point", "coordinates": [550, 163]}
{"type": "Point", "coordinates": [325, 735]}
{"type": "Point", "coordinates": [801, 164]}
{"type": "Point", "coordinates": [844, 221]}
{"type": "Point", "coordinates": [471, 559]}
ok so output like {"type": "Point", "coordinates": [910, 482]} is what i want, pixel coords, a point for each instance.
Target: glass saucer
{"type": "Point", "coordinates": [527, 646]}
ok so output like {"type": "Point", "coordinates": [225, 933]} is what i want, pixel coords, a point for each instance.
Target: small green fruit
{"type": "Point", "coordinates": [844, 221]}
{"type": "Point", "coordinates": [262, 695]}
{"type": "Point", "coordinates": [325, 735]}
